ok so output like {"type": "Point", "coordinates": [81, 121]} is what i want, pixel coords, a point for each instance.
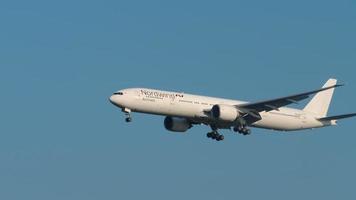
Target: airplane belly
{"type": "Point", "coordinates": [280, 122]}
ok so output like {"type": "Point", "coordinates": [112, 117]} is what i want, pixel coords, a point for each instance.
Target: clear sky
{"type": "Point", "coordinates": [60, 138]}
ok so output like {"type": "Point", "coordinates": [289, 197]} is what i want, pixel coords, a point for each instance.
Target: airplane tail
{"type": "Point", "coordinates": [321, 101]}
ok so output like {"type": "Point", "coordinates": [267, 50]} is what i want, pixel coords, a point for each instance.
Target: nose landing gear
{"type": "Point", "coordinates": [127, 114]}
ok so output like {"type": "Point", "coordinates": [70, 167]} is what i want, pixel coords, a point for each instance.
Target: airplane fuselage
{"type": "Point", "coordinates": [196, 108]}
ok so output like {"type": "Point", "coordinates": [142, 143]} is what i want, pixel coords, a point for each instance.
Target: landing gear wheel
{"type": "Point", "coordinates": [246, 131]}
{"type": "Point", "coordinates": [128, 119]}
{"type": "Point", "coordinates": [214, 136]}
{"type": "Point", "coordinates": [238, 129]}
{"type": "Point", "coordinates": [209, 135]}
{"type": "Point", "coordinates": [220, 138]}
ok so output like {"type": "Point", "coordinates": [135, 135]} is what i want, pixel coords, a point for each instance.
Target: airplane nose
{"type": "Point", "coordinates": [117, 99]}
{"type": "Point", "coordinates": [112, 99]}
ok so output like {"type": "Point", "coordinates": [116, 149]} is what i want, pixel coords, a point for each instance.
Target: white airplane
{"type": "Point", "coordinates": [182, 110]}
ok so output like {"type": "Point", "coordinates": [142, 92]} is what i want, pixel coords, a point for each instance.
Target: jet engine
{"type": "Point", "coordinates": [176, 124]}
{"type": "Point", "coordinates": [225, 113]}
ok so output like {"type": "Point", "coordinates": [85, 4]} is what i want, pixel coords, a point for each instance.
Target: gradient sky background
{"type": "Point", "coordinates": [60, 138]}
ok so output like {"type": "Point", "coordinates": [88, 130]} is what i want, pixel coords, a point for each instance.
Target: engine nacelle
{"type": "Point", "coordinates": [176, 124]}
{"type": "Point", "coordinates": [225, 113]}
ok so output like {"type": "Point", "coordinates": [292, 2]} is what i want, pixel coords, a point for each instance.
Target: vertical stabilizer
{"type": "Point", "coordinates": [320, 103]}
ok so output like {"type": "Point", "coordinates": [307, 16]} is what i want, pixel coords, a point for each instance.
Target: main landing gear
{"type": "Point", "coordinates": [215, 136]}
{"type": "Point", "coordinates": [242, 130]}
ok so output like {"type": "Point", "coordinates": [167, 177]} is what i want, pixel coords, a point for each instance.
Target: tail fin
{"type": "Point", "coordinates": [321, 101]}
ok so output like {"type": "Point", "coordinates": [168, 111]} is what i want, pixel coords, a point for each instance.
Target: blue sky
{"type": "Point", "coordinates": [60, 138]}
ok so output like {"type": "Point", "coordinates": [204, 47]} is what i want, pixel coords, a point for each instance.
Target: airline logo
{"type": "Point", "coordinates": [160, 95]}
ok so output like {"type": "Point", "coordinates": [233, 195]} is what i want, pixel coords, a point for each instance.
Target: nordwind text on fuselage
{"type": "Point", "coordinates": [160, 95]}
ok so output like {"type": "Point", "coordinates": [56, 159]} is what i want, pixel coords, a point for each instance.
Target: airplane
{"type": "Point", "coordinates": [183, 111]}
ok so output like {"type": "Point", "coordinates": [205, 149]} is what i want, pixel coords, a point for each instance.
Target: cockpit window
{"type": "Point", "coordinates": [118, 93]}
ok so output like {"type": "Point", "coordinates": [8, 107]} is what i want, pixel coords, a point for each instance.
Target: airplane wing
{"type": "Point", "coordinates": [275, 104]}
{"type": "Point", "coordinates": [337, 117]}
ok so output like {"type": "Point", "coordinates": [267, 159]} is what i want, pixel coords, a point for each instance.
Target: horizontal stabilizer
{"type": "Point", "coordinates": [337, 117]}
